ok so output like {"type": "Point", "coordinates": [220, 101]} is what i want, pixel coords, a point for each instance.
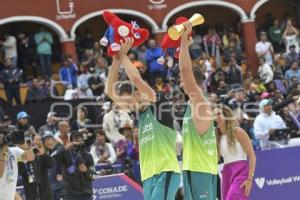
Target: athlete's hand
{"type": "Point", "coordinates": [185, 38]}
{"type": "Point", "coordinates": [248, 185]}
{"type": "Point", "coordinates": [126, 45]}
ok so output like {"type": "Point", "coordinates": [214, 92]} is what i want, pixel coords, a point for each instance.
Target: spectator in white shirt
{"type": "Point", "coordinates": [112, 121]}
{"type": "Point", "coordinates": [10, 48]}
{"type": "Point", "coordinates": [264, 48]}
{"type": "Point", "coordinates": [63, 134]}
{"type": "Point", "coordinates": [265, 71]}
{"type": "Point", "coordinates": [102, 151]}
{"type": "Point", "coordinates": [9, 158]}
{"type": "Point", "coordinates": [266, 123]}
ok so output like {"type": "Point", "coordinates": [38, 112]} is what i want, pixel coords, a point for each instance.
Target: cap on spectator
{"type": "Point", "coordinates": [47, 134]}
{"type": "Point", "coordinates": [52, 114]}
{"type": "Point", "coordinates": [171, 78]}
{"type": "Point", "coordinates": [292, 46]}
{"type": "Point", "coordinates": [106, 105]}
{"type": "Point", "coordinates": [264, 95]}
{"type": "Point", "coordinates": [5, 118]}
{"type": "Point", "coordinates": [22, 115]}
{"type": "Point", "coordinates": [263, 33]}
{"type": "Point", "coordinates": [91, 70]}
{"type": "Point", "coordinates": [126, 126]}
{"type": "Point", "coordinates": [265, 102]}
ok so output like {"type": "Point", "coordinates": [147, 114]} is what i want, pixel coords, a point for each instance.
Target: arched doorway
{"type": "Point", "coordinates": [265, 11]}
{"type": "Point", "coordinates": [29, 26]}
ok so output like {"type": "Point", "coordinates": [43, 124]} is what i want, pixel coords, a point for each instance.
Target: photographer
{"type": "Point", "coordinates": [76, 164]}
{"type": "Point", "coordinates": [53, 149]}
{"type": "Point", "coordinates": [35, 173]}
{"type": "Point", "coordinates": [9, 158]}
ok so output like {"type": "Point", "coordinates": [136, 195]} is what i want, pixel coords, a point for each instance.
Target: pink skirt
{"type": "Point", "coordinates": [233, 176]}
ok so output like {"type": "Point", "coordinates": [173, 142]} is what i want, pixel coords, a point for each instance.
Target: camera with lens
{"type": "Point", "coordinates": [88, 137]}
{"type": "Point", "coordinates": [10, 136]}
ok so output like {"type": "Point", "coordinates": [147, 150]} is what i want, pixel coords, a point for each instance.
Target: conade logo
{"type": "Point", "coordinates": [157, 1]}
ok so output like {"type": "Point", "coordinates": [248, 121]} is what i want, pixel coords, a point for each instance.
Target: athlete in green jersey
{"type": "Point", "coordinates": [160, 170]}
{"type": "Point", "coordinates": [199, 141]}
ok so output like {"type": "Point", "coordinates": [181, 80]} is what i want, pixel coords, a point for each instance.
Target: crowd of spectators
{"type": "Point", "coordinates": [263, 102]}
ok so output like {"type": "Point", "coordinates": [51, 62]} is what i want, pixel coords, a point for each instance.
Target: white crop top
{"type": "Point", "coordinates": [229, 156]}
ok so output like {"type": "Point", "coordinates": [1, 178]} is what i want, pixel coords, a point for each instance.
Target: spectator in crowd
{"type": "Point", "coordinates": [135, 62]}
{"type": "Point", "coordinates": [51, 125]}
{"type": "Point", "coordinates": [126, 149]}
{"type": "Point", "coordinates": [82, 120]}
{"type": "Point", "coordinates": [292, 55]}
{"type": "Point", "coordinates": [53, 148]}
{"type": "Point", "coordinates": [238, 100]}
{"type": "Point", "coordinates": [294, 71]}
{"type": "Point", "coordinates": [63, 136]}
{"type": "Point", "coordinates": [101, 66]}
{"type": "Point", "coordinates": [82, 84]}
{"type": "Point", "coordinates": [234, 73]}
{"type": "Point", "coordinates": [35, 173]}
{"type": "Point", "coordinates": [36, 92]}
{"type": "Point", "coordinates": [196, 48]}
{"type": "Point", "coordinates": [89, 59]}
{"type": "Point", "coordinates": [102, 151]}
{"type": "Point", "coordinates": [10, 48]}
{"type": "Point", "coordinates": [172, 86]}
{"type": "Point", "coordinates": [275, 33]}
{"type": "Point", "coordinates": [232, 51]}
{"type": "Point", "coordinates": [68, 72]}
{"type": "Point", "coordinates": [265, 71]}
{"type": "Point", "coordinates": [290, 37]}
{"type": "Point", "coordinates": [95, 83]}
{"type": "Point", "coordinates": [154, 68]}
{"type": "Point", "coordinates": [112, 121]}
{"type": "Point", "coordinates": [291, 120]}
{"type": "Point", "coordinates": [211, 40]}
{"type": "Point", "coordinates": [44, 40]}
{"type": "Point", "coordinates": [87, 42]}
{"type": "Point", "coordinates": [264, 48]}
{"type": "Point", "coordinates": [222, 88]}
{"type": "Point", "coordinates": [6, 120]}
{"type": "Point", "coordinates": [24, 125]}
{"type": "Point", "coordinates": [11, 78]}
{"type": "Point", "coordinates": [9, 158]}
{"type": "Point", "coordinates": [263, 130]}
{"type": "Point", "coordinates": [26, 55]}
{"type": "Point", "coordinates": [207, 62]}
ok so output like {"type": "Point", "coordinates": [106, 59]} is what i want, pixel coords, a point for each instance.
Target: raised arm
{"type": "Point", "coordinates": [147, 93]}
{"type": "Point", "coordinates": [112, 78]}
{"type": "Point", "coordinates": [201, 111]}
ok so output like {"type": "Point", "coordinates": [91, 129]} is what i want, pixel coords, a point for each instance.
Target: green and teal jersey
{"type": "Point", "coordinates": [199, 151]}
{"type": "Point", "coordinates": [157, 146]}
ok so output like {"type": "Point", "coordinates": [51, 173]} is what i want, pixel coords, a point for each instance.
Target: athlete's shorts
{"type": "Point", "coordinates": [163, 186]}
{"type": "Point", "coordinates": [199, 186]}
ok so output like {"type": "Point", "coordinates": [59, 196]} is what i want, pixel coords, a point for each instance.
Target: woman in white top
{"type": "Point", "coordinates": [290, 37]}
{"type": "Point", "coordinates": [234, 146]}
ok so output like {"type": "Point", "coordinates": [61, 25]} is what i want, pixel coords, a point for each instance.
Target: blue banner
{"type": "Point", "coordinates": [277, 175]}
{"type": "Point", "coordinates": [116, 187]}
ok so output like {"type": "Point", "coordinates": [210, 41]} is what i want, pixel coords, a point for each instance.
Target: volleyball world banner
{"type": "Point", "coordinates": [277, 175]}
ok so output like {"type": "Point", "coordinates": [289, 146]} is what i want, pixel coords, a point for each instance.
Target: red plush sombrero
{"type": "Point", "coordinates": [118, 30]}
